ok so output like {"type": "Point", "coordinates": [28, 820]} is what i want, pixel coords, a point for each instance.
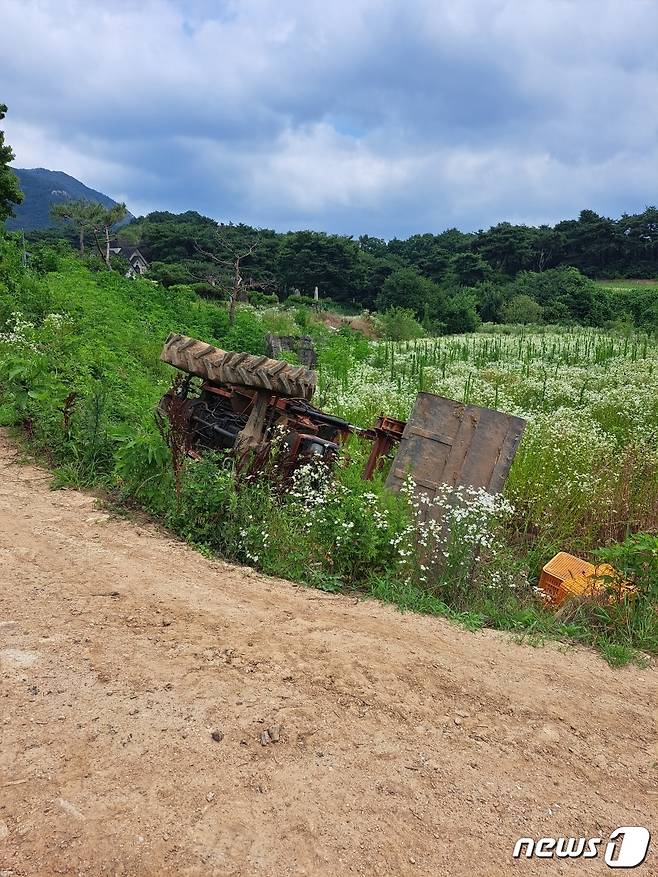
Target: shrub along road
{"type": "Point", "coordinates": [406, 744]}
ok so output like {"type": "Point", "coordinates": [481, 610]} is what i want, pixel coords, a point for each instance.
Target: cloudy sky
{"type": "Point", "coordinates": [386, 117]}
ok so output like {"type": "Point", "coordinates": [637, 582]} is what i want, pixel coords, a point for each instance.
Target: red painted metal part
{"type": "Point", "coordinates": [386, 432]}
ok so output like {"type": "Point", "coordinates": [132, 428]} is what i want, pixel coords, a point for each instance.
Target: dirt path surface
{"type": "Point", "coordinates": [407, 745]}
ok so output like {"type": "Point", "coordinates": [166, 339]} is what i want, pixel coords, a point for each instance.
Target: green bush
{"type": "Point", "coordinates": [522, 309]}
{"type": "Point", "coordinates": [399, 324]}
{"type": "Point", "coordinates": [296, 299]}
{"type": "Point", "coordinates": [262, 299]}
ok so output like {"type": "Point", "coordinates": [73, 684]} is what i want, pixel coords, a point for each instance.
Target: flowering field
{"type": "Point", "coordinates": [587, 468]}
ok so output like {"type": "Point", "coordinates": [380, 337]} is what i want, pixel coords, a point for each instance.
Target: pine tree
{"type": "Point", "coordinates": [10, 190]}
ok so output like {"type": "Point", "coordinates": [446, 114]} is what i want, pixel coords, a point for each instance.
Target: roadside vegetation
{"type": "Point", "coordinates": [80, 377]}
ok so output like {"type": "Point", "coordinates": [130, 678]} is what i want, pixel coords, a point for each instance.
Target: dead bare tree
{"type": "Point", "coordinates": [230, 259]}
{"type": "Point", "coordinates": [172, 425]}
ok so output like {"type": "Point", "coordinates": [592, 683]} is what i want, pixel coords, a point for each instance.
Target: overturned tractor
{"type": "Point", "coordinates": [243, 401]}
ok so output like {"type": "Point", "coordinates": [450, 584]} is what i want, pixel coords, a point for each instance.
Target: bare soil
{"type": "Point", "coordinates": [364, 325]}
{"type": "Point", "coordinates": [407, 746]}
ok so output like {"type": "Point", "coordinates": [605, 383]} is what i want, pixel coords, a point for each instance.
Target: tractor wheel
{"type": "Point", "coordinates": [242, 369]}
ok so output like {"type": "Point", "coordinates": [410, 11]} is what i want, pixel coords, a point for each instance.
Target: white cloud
{"type": "Point", "coordinates": [359, 115]}
{"type": "Point", "coordinates": [34, 148]}
{"type": "Point", "coordinates": [315, 168]}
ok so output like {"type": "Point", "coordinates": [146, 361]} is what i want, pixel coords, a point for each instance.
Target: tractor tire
{"type": "Point", "coordinates": [241, 369]}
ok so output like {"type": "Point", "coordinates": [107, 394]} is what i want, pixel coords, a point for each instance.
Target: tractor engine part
{"type": "Point", "coordinates": [245, 422]}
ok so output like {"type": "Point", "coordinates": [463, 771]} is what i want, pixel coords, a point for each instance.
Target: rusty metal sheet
{"type": "Point", "coordinates": [446, 442]}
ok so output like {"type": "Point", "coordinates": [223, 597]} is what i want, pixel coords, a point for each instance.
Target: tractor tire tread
{"type": "Point", "coordinates": [242, 369]}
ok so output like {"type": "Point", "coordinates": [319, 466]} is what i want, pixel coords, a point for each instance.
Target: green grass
{"type": "Point", "coordinates": [628, 284]}
{"type": "Point", "coordinates": [616, 654]}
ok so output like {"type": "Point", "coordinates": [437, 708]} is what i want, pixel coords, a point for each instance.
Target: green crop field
{"type": "Point", "coordinates": [80, 376]}
{"type": "Point", "coordinates": [624, 284]}
{"type": "Point", "coordinates": [586, 470]}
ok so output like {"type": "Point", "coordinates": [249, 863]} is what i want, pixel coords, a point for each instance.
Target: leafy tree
{"type": "Point", "coordinates": [638, 237]}
{"type": "Point", "coordinates": [424, 253]}
{"type": "Point", "coordinates": [82, 215]}
{"type": "Point", "coordinates": [370, 275]}
{"type": "Point", "coordinates": [459, 314]}
{"type": "Point", "coordinates": [593, 242]}
{"type": "Point", "coordinates": [308, 259]}
{"type": "Point", "coordinates": [560, 291]}
{"type": "Point", "coordinates": [10, 191]}
{"type": "Point", "coordinates": [455, 241]}
{"type": "Point", "coordinates": [548, 248]}
{"type": "Point", "coordinates": [104, 220]}
{"type": "Point", "coordinates": [467, 269]}
{"type": "Point", "coordinates": [172, 238]}
{"type": "Point", "coordinates": [170, 274]}
{"type": "Point", "coordinates": [405, 288]}
{"type": "Point", "coordinates": [400, 324]}
{"type": "Point", "coordinates": [522, 309]}
{"type": "Point", "coordinates": [430, 254]}
{"type": "Point", "coordinates": [550, 264]}
{"type": "Point", "coordinates": [373, 246]}
{"type": "Point", "coordinates": [640, 304]}
{"type": "Point", "coordinates": [489, 301]}
{"type": "Point", "coordinates": [506, 247]}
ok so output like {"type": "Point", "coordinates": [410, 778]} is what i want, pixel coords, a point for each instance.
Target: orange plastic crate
{"type": "Point", "coordinates": [566, 576]}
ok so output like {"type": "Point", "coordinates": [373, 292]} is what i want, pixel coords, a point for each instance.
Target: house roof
{"type": "Point", "coordinates": [127, 251]}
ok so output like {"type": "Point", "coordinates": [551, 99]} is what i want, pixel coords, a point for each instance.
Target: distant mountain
{"type": "Point", "coordinates": [42, 188]}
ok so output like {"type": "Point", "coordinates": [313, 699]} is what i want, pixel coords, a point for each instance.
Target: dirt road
{"type": "Point", "coordinates": [407, 745]}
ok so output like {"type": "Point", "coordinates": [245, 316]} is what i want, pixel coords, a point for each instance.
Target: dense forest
{"type": "Point", "coordinates": [451, 281]}
{"type": "Point", "coordinates": [347, 269]}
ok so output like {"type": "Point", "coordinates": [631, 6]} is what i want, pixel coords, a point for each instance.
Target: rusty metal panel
{"type": "Point", "coordinates": [446, 442]}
